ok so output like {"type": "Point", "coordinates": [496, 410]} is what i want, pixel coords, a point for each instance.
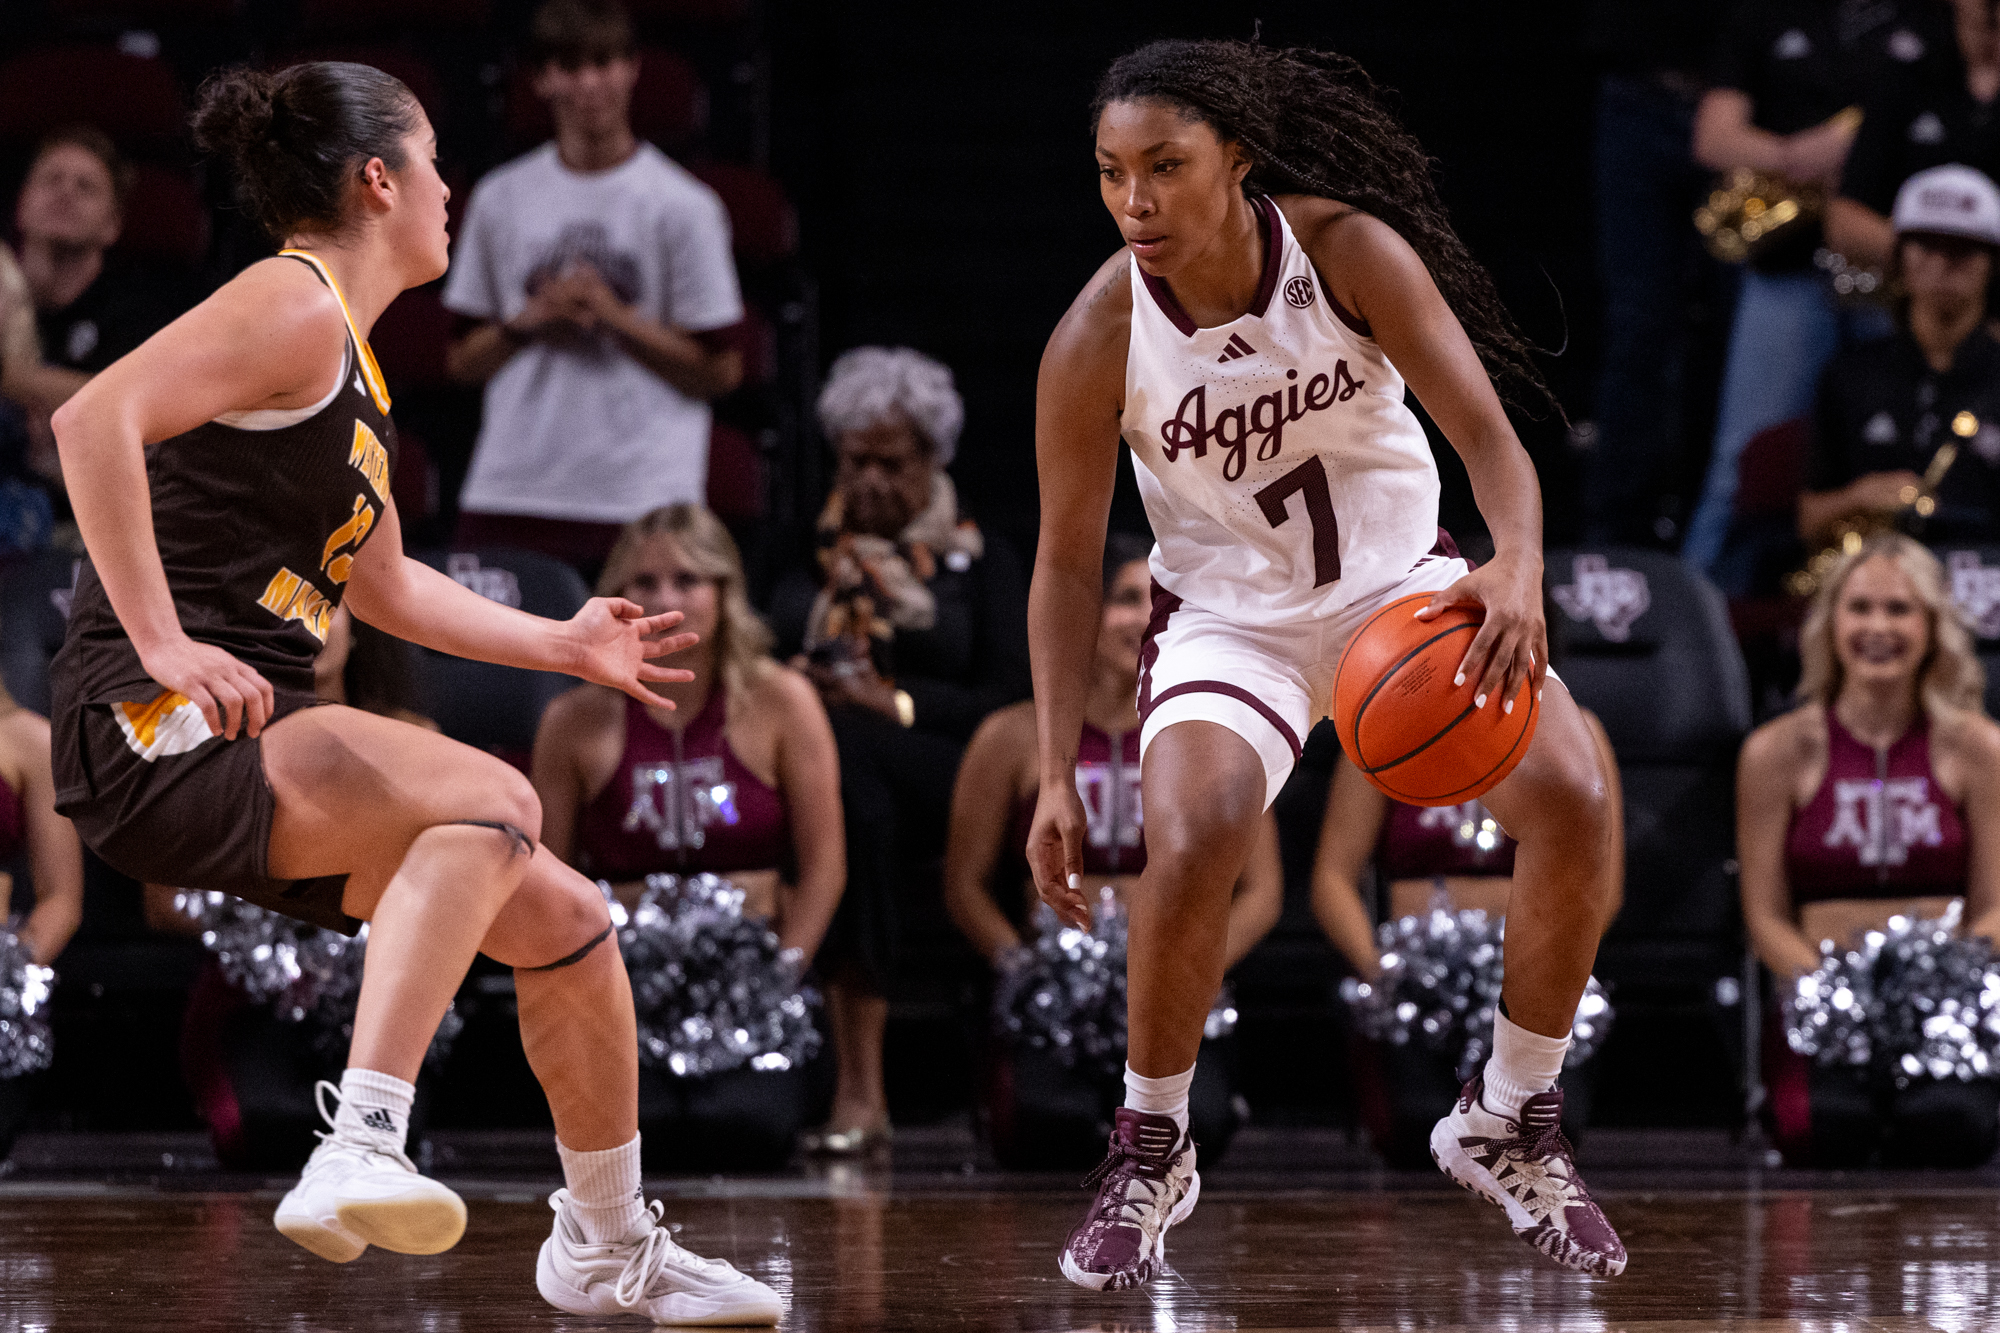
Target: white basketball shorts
{"type": "Point", "coordinates": [1267, 683]}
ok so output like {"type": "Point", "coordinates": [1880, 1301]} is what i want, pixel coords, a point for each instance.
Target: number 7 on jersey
{"type": "Point", "coordinates": [1308, 479]}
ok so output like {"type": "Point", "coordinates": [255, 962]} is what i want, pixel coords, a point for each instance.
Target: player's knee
{"type": "Point", "coordinates": [513, 802]}
{"type": "Point", "coordinates": [1190, 834]}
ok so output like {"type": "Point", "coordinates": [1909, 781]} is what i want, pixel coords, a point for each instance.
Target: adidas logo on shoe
{"type": "Point", "coordinates": [379, 1120]}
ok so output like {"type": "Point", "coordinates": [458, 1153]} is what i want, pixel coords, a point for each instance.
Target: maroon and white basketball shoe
{"type": "Point", "coordinates": [1147, 1184]}
{"type": "Point", "coordinates": [1527, 1168]}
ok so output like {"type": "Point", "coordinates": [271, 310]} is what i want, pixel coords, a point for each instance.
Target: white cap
{"type": "Point", "coordinates": [1950, 201]}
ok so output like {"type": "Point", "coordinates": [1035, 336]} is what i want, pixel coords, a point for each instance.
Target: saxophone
{"type": "Point", "coordinates": [1751, 212]}
{"type": "Point", "coordinates": [1919, 503]}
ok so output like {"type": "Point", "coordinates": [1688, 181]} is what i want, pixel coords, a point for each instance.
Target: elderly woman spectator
{"type": "Point", "coordinates": [1888, 411]}
{"type": "Point", "coordinates": [910, 621]}
{"type": "Point", "coordinates": [1878, 796]}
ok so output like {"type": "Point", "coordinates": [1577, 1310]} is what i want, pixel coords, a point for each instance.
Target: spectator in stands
{"type": "Point", "coordinates": [911, 622]}
{"type": "Point", "coordinates": [89, 307]}
{"type": "Point", "coordinates": [1890, 702]}
{"type": "Point", "coordinates": [1040, 1112]}
{"type": "Point", "coordinates": [1888, 409]}
{"type": "Point", "coordinates": [1942, 114]}
{"type": "Point", "coordinates": [33, 835]}
{"type": "Point", "coordinates": [595, 278]}
{"type": "Point", "coordinates": [1449, 858]}
{"type": "Point", "coordinates": [1649, 261]}
{"type": "Point", "coordinates": [741, 781]}
{"type": "Point", "coordinates": [1788, 79]}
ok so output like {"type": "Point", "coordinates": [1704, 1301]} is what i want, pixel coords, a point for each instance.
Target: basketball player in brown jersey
{"type": "Point", "coordinates": [231, 480]}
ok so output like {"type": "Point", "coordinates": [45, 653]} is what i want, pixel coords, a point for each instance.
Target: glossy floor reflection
{"type": "Point", "coordinates": [854, 1258]}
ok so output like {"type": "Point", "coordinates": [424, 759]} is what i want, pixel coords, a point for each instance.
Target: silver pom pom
{"type": "Point", "coordinates": [26, 1043]}
{"type": "Point", "coordinates": [1065, 993]}
{"type": "Point", "coordinates": [1830, 1015]}
{"type": "Point", "coordinates": [712, 990]}
{"type": "Point", "coordinates": [1916, 1000]}
{"type": "Point", "coordinates": [306, 974]}
{"type": "Point", "coordinates": [1440, 986]}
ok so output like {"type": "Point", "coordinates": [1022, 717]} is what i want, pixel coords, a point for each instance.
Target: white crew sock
{"type": "Point", "coordinates": [374, 1106]}
{"type": "Point", "coordinates": [1160, 1096]}
{"type": "Point", "coordinates": [1523, 1063]}
{"type": "Point", "coordinates": [604, 1187]}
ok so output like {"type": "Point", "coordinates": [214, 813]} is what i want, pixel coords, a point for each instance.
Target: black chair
{"type": "Point", "coordinates": [34, 611]}
{"type": "Point", "coordinates": [1645, 643]}
{"type": "Point", "coordinates": [1972, 575]}
{"type": "Point", "coordinates": [497, 708]}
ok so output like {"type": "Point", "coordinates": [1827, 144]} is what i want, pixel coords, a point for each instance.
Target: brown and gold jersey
{"type": "Point", "coordinates": [258, 516]}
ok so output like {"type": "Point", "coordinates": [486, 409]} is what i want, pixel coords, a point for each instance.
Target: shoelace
{"type": "Point", "coordinates": [1130, 1160]}
{"type": "Point", "coordinates": [656, 1250]}
{"type": "Point", "coordinates": [1536, 1143]}
{"type": "Point", "coordinates": [321, 1090]}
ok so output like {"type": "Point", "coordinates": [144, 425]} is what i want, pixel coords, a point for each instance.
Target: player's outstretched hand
{"type": "Point", "coordinates": [1055, 851]}
{"type": "Point", "coordinates": [233, 698]}
{"type": "Point", "coordinates": [1513, 643]}
{"type": "Point", "coordinates": [615, 642]}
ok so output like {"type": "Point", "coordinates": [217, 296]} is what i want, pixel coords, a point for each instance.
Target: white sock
{"type": "Point", "coordinates": [374, 1105]}
{"type": "Point", "coordinates": [1523, 1063]}
{"type": "Point", "coordinates": [604, 1188]}
{"type": "Point", "coordinates": [1160, 1096]}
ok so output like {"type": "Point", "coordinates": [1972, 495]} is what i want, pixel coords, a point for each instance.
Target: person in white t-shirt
{"type": "Point", "coordinates": [596, 279]}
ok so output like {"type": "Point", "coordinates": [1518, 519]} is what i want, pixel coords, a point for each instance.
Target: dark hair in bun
{"type": "Point", "coordinates": [295, 137]}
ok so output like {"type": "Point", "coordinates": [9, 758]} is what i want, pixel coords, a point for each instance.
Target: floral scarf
{"type": "Point", "coordinates": [871, 586]}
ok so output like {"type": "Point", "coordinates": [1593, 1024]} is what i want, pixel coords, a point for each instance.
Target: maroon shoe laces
{"type": "Point", "coordinates": [1541, 1134]}
{"type": "Point", "coordinates": [1136, 1158]}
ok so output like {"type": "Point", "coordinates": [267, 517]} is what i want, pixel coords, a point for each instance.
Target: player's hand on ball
{"type": "Point", "coordinates": [231, 695]}
{"type": "Point", "coordinates": [615, 642]}
{"type": "Point", "coordinates": [1512, 645]}
{"type": "Point", "coordinates": [1055, 851]}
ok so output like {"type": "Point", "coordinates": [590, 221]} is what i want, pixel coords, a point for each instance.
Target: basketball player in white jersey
{"type": "Point", "coordinates": [1287, 271]}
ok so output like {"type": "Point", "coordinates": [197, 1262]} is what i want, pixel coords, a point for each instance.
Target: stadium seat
{"type": "Point", "coordinates": [133, 99]}
{"type": "Point", "coordinates": [493, 707]}
{"type": "Point", "coordinates": [34, 612]}
{"type": "Point", "coordinates": [164, 218]}
{"type": "Point", "coordinates": [1972, 575]}
{"type": "Point", "coordinates": [669, 105]}
{"type": "Point", "coordinates": [372, 16]}
{"type": "Point", "coordinates": [1644, 643]}
{"type": "Point", "coordinates": [735, 475]}
{"type": "Point", "coordinates": [691, 11]}
{"type": "Point", "coordinates": [149, 11]}
{"type": "Point", "coordinates": [762, 221]}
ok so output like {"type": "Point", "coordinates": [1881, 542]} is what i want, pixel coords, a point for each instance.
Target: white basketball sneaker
{"type": "Point", "coordinates": [648, 1276]}
{"type": "Point", "coordinates": [359, 1189]}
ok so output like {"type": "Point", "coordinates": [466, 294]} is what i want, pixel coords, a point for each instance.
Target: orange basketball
{"type": "Point", "coordinates": [1403, 723]}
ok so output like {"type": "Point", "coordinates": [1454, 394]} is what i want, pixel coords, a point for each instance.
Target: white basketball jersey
{"type": "Point", "coordinates": [1284, 477]}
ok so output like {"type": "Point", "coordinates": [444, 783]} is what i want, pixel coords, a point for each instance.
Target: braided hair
{"type": "Point", "coordinates": [1314, 122]}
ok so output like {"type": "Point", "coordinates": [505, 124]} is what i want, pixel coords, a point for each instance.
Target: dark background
{"type": "Point", "coordinates": [942, 167]}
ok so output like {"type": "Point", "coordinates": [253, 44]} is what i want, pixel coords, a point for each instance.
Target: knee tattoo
{"type": "Point", "coordinates": [525, 844]}
{"type": "Point", "coordinates": [572, 958]}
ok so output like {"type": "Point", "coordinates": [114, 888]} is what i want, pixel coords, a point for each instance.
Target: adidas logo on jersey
{"type": "Point", "coordinates": [1236, 349]}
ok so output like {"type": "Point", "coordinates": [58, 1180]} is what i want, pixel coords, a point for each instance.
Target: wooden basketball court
{"type": "Point", "coordinates": [933, 1245]}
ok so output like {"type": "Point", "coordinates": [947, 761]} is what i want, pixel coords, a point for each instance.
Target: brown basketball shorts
{"type": "Point", "coordinates": [167, 801]}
